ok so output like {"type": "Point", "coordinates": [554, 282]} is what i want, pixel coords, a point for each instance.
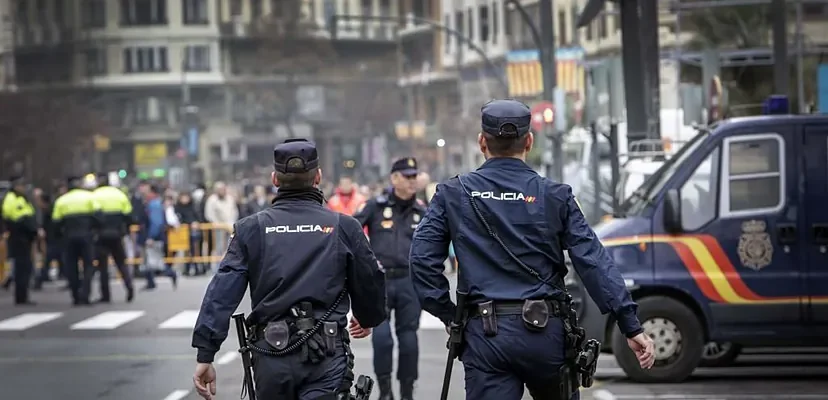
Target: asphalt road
{"type": "Point", "coordinates": [141, 351]}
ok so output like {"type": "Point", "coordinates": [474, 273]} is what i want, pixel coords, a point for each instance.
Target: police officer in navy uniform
{"type": "Point", "coordinates": [301, 261]}
{"type": "Point", "coordinates": [76, 216]}
{"type": "Point", "coordinates": [391, 219]}
{"type": "Point", "coordinates": [529, 222]}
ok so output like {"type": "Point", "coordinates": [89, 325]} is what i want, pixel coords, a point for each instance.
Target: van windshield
{"type": "Point", "coordinates": [645, 194]}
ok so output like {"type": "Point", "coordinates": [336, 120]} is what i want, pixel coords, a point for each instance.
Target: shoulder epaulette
{"type": "Point", "coordinates": [381, 199]}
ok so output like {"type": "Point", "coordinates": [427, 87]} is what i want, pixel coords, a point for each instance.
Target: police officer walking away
{"type": "Point", "coordinates": [19, 218]}
{"type": "Point", "coordinates": [305, 265]}
{"type": "Point", "coordinates": [391, 219]}
{"type": "Point", "coordinates": [116, 215]}
{"type": "Point", "coordinates": [76, 218]}
{"type": "Point", "coordinates": [510, 228]}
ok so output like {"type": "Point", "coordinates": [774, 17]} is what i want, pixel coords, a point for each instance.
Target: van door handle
{"type": "Point", "coordinates": [786, 233]}
{"type": "Point", "coordinates": [820, 233]}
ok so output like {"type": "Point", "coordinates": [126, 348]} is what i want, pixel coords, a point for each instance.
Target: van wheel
{"type": "Point", "coordinates": [678, 338]}
{"type": "Point", "coordinates": [719, 354]}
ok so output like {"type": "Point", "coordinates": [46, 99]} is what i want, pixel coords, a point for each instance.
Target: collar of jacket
{"type": "Point", "coordinates": [510, 163]}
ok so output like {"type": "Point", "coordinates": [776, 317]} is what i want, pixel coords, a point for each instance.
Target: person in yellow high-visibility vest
{"type": "Point", "coordinates": [116, 216]}
{"type": "Point", "coordinates": [19, 217]}
{"type": "Point", "coordinates": [76, 216]}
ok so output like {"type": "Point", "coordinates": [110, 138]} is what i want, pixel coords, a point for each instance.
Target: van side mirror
{"type": "Point", "coordinates": [672, 212]}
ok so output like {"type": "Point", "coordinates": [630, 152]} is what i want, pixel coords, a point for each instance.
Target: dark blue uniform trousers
{"type": "Point", "coordinates": [79, 249]}
{"type": "Point", "coordinates": [403, 300]}
{"type": "Point", "coordinates": [288, 377]}
{"type": "Point", "coordinates": [498, 367]}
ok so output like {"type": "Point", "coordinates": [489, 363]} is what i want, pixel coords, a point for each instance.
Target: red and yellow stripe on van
{"type": "Point", "coordinates": [711, 269]}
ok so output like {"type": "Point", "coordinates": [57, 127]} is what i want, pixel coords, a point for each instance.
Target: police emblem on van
{"type": "Point", "coordinates": [755, 248]}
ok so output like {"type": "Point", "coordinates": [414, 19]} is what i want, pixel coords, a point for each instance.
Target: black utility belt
{"type": "Point", "coordinates": [555, 307]}
{"type": "Point", "coordinates": [397, 273]}
{"type": "Point", "coordinates": [315, 340]}
{"type": "Point", "coordinates": [534, 313]}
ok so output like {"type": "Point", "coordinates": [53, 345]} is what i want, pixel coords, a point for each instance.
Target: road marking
{"type": "Point", "coordinates": [183, 320]}
{"type": "Point", "coordinates": [427, 321]}
{"type": "Point", "coordinates": [28, 320]}
{"type": "Point", "coordinates": [107, 320]}
{"type": "Point", "coordinates": [177, 395]}
{"type": "Point", "coordinates": [713, 396]}
{"type": "Point", "coordinates": [602, 394]}
{"type": "Point", "coordinates": [101, 358]}
{"type": "Point", "coordinates": [228, 358]}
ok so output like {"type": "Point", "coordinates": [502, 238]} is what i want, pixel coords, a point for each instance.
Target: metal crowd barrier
{"type": "Point", "coordinates": [190, 244]}
{"type": "Point", "coordinates": [185, 244]}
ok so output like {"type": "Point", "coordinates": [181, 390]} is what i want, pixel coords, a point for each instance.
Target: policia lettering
{"type": "Point", "coordinates": [581, 357]}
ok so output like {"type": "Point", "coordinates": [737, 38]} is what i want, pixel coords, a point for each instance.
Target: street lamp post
{"type": "Point", "coordinates": [544, 39]}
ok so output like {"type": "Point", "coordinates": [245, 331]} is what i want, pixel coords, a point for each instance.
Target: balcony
{"type": "Point", "coordinates": [42, 35]}
{"type": "Point", "coordinates": [412, 25]}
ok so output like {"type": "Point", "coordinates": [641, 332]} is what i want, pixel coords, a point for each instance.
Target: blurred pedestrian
{"type": "Point", "coordinates": [156, 235]}
{"type": "Point", "coordinates": [346, 198]}
{"type": "Point", "coordinates": [116, 217]}
{"type": "Point", "coordinates": [75, 216]}
{"type": "Point", "coordinates": [188, 214]}
{"type": "Point", "coordinates": [222, 212]}
{"type": "Point", "coordinates": [18, 215]}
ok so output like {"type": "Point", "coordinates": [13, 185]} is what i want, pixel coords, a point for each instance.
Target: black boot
{"type": "Point", "coordinates": [407, 389]}
{"type": "Point", "coordinates": [384, 383]}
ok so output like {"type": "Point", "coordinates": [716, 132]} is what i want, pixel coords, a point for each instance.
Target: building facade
{"type": "Point", "coordinates": [203, 85]}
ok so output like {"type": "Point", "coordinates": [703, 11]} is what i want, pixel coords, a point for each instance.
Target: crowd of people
{"type": "Point", "coordinates": [157, 207]}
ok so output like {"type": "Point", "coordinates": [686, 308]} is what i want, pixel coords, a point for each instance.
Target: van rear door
{"type": "Point", "coordinates": [814, 220]}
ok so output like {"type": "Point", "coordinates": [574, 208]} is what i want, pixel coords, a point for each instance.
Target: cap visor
{"type": "Point", "coordinates": [409, 172]}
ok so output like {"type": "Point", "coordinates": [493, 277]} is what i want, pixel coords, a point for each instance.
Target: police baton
{"type": "Point", "coordinates": [241, 333]}
{"type": "Point", "coordinates": [454, 342]}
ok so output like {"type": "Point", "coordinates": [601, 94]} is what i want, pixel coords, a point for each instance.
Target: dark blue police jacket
{"type": "Point", "coordinates": [295, 251]}
{"type": "Point", "coordinates": [536, 218]}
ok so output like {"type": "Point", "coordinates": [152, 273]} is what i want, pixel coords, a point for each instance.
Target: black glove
{"type": "Point", "coordinates": [313, 350]}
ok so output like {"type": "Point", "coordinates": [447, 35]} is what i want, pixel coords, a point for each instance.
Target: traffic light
{"type": "Point", "coordinates": [548, 115]}
{"type": "Point", "coordinates": [122, 174]}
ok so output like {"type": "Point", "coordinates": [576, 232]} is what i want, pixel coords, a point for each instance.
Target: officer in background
{"type": "Point", "coordinates": [116, 216]}
{"type": "Point", "coordinates": [19, 219]}
{"type": "Point", "coordinates": [529, 222]}
{"type": "Point", "coordinates": [76, 218]}
{"type": "Point", "coordinates": [391, 219]}
{"type": "Point", "coordinates": [302, 262]}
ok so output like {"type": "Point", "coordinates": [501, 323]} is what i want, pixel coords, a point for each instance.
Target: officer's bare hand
{"type": "Point", "coordinates": [204, 380]}
{"type": "Point", "coordinates": [357, 331]}
{"type": "Point", "coordinates": [644, 350]}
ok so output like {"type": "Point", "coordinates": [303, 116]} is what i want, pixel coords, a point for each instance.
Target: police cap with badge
{"type": "Point", "coordinates": [295, 156]}
{"type": "Point", "coordinates": [505, 118]}
{"type": "Point", "coordinates": [405, 166]}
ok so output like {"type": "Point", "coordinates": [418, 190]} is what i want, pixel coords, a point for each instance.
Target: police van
{"type": "Point", "coordinates": [726, 243]}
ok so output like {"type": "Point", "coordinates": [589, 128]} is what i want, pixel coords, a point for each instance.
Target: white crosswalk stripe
{"type": "Point", "coordinates": [183, 320]}
{"type": "Point", "coordinates": [427, 321]}
{"type": "Point", "coordinates": [170, 320]}
{"type": "Point", "coordinates": [28, 320]}
{"type": "Point", "coordinates": [107, 320]}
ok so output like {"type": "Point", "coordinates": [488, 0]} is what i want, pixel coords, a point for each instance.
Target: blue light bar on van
{"type": "Point", "coordinates": [776, 104]}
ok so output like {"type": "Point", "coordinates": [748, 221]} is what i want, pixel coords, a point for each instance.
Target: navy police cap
{"type": "Point", "coordinates": [295, 156]}
{"type": "Point", "coordinates": [406, 166]}
{"type": "Point", "coordinates": [512, 115]}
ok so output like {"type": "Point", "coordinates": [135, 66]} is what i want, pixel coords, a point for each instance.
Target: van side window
{"type": "Point", "coordinates": [754, 174]}
{"type": "Point", "coordinates": [699, 194]}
